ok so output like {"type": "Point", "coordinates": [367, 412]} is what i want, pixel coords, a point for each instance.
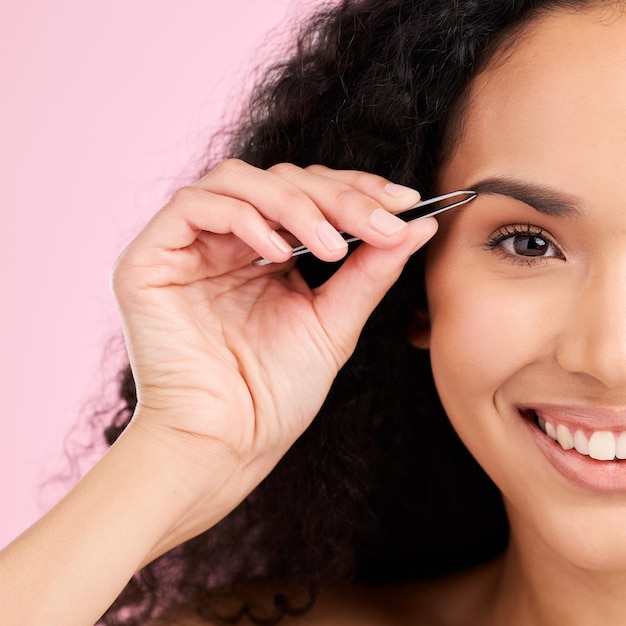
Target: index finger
{"type": "Point", "coordinates": [390, 195]}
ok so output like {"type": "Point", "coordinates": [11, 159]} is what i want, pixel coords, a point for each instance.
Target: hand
{"type": "Point", "coordinates": [231, 363]}
{"type": "Point", "coordinates": [239, 358]}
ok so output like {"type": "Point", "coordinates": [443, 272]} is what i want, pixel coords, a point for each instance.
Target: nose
{"type": "Point", "coordinates": [593, 340]}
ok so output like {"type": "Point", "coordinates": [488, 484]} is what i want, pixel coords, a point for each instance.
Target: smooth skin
{"type": "Point", "coordinates": [511, 331]}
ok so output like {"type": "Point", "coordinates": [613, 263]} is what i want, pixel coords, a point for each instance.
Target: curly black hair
{"type": "Point", "coordinates": [379, 489]}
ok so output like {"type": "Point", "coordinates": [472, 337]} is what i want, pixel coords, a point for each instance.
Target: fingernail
{"type": "Point", "coordinates": [280, 243]}
{"type": "Point", "coordinates": [330, 237]}
{"type": "Point", "coordinates": [385, 222]}
{"type": "Point", "coordinates": [396, 190]}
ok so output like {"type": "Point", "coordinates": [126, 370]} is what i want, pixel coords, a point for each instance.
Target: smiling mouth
{"type": "Point", "coordinates": [601, 445]}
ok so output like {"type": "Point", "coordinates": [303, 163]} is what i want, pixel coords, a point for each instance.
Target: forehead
{"type": "Point", "coordinates": [553, 105]}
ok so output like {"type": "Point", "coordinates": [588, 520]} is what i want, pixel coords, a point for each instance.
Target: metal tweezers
{"type": "Point", "coordinates": [424, 208]}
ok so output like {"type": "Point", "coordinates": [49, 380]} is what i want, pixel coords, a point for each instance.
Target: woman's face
{"type": "Point", "coordinates": [527, 285]}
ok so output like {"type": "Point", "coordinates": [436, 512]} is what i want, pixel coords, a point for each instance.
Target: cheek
{"type": "Point", "coordinates": [485, 329]}
{"type": "Point", "coordinates": [484, 332]}
{"type": "Point", "coordinates": [469, 348]}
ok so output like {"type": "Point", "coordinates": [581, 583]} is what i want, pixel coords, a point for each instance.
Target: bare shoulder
{"type": "Point", "coordinates": [459, 600]}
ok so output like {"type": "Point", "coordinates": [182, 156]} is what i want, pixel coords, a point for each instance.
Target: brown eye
{"type": "Point", "coordinates": [528, 245]}
{"type": "Point", "coordinates": [525, 243]}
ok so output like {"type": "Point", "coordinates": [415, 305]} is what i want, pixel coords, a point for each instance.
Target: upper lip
{"type": "Point", "coordinates": [581, 416]}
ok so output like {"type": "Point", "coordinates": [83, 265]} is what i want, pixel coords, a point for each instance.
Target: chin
{"type": "Point", "coordinates": [590, 536]}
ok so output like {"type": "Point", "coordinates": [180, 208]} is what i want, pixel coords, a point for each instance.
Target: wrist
{"type": "Point", "coordinates": [198, 480]}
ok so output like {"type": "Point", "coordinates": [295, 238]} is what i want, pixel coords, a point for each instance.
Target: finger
{"type": "Point", "coordinates": [347, 299]}
{"type": "Point", "coordinates": [185, 240]}
{"type": "Point", "coordinates": [193, 210]}
{"type": "Point", "coordinates": [391, 196]}
{"type": "Point", "coordinates": [310, 206]}
{"type": "Point", "coordinates": [279, 201]}
{"type": "Point", "coordinates": [347, 208]}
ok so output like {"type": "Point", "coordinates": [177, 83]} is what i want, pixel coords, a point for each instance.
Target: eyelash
{"type": "Point", "coordinates": [512, 231]}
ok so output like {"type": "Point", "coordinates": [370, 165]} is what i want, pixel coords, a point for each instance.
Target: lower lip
{"type": "Point", "coordinates": [579, 469]}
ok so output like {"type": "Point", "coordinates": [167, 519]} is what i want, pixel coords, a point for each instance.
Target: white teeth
{"type": "Point", "coordinates": [550, 431]}
{"type": "Point", "coordinates": [564, 437]}
{"type": "Point", "coordinates": [602, 445]}
{"type": "Point", "coordinates": [581, 443]}
{"type": "Point", "coordinates": [620, 446]}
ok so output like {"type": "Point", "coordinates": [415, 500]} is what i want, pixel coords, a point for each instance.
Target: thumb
{"type": "Point", "coordinates": [348, 297]}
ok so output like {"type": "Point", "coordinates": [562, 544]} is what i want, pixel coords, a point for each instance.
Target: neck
{"type": "Point", "coordinates": [540, 588]}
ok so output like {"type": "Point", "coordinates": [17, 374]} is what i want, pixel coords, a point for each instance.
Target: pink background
{"type": "Point", "coordinates": [104, 108]}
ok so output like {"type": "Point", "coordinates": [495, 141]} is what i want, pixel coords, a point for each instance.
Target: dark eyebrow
{"type": "Point", "coordinates": [539, 197]}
